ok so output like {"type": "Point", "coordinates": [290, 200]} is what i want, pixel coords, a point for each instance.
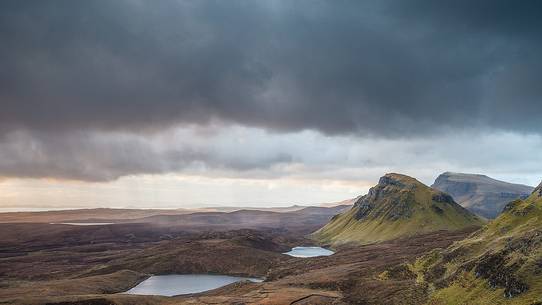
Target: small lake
{"type": "Point", "coordinates": [176, 284]}
{"type": "Point", "coordinates": [83, 223]}
{"type": "Point", "coordinates": [309, 252]}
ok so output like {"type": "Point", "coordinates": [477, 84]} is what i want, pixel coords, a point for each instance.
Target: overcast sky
{"type": "Point", "coordinates": [258, 103]}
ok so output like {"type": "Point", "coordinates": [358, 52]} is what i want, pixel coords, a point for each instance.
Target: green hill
{"type": "Point", "coordinates": [499, 264]}
{"type": "Point", "coordinates": [397, 206]}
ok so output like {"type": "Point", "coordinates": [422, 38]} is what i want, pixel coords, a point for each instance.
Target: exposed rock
{"type": "Point", "coordinates": [364, 209]}
{"type": "Point", "coordinates": [390, 179]}
{"type": "Point", "coordinates": [437, 209]}
{"type": "Point", "coordinates": [443, 197]}
{"type": "Point", "coordinates": [538, 190]}
{"type": "Point", "coordinates": [399, 209]}
{"type": "Point", "coordinates": [494, 268]}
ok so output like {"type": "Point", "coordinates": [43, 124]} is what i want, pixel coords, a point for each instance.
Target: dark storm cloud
{"type": "Point", "coordinates": [389, 68]}
{"type": "Point", "coordinates": [82, 81]}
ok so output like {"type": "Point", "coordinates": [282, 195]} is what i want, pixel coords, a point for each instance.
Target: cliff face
{"type": "Point", "coordinates": [480, 194]}
{"type": "Point", "coordinates": [397, 206]}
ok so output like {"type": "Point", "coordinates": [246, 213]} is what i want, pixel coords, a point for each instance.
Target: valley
{"type": "Point", "coordinates": [269, 257]}
{"type": "Point", "coordinates": [77, 274]}
{"type": "Point", "coordinates": [279, 152]}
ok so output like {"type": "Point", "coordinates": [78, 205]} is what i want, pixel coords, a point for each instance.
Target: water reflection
{"type": "Point", "coordinates": [309, 252]}
{"type": "Point", "coordinates": [175, 284]}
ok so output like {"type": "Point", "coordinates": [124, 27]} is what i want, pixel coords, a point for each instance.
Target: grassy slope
{"type": "Point", "coordinates": [377, 225]}
{"type": "Point", "coordinates": [500, 264]}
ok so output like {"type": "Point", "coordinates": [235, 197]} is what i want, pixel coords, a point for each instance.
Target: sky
{"type": "Point", "coordinates": [171, 104]}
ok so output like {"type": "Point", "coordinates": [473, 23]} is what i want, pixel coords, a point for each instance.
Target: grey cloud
{"type": "Point", "coordinates": [385, 68]}
{"type": "Point", "coordinates": [89, 156]}
{"type": "Point", "coordinates": [82, 83]}
{"type": "Point", "coordinates": [250, 153]}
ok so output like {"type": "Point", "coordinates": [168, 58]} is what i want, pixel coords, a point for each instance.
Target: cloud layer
{"type": "Point", "coordinates": [249, 153]}
{"type": "Point", "coordinates": [305, 90]}
{"type": "Point", "coordinates": [384, 68]}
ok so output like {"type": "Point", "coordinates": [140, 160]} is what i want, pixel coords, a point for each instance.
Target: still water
{"type": "Point", "coordinates": [175, 284]}
{"type": "Point", "coordinates": [83, 223]}
{"type": "Point", "coordinates": [309, 252]}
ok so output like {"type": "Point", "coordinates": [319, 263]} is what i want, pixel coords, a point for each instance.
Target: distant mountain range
{"type": "Point", "coordinates": [397, 206]}
{"type": "Point", "coordinates": [295, 218]}
{"type": "Point", "coordinates": [112, 214]}
{"type": "Point", "coordinates": [480, 194]}
{"type": "Point", "coordinates": [307, 219]}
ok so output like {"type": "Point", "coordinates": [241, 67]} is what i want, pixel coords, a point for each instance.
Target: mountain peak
{"type": "Point", "coordinates": [396, 194]}
{"type": "Point", "coordinates": [450, 174]}
{"type": "Point", "coordinates": [480, 194]}
{"type": "Point", "coordinates": [397, 206]}
{"type": "Point", "coordinates": [398, 180]}
{"type": "Point", "coordinates": [460, 177]}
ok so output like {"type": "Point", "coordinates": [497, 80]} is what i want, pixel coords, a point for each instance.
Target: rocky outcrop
{"type": "Point", "coordinates": [538, 190]}
{"type": "Point", "coordinates": [494, 268]}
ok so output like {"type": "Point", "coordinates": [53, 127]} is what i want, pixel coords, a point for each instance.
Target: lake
{"type": "Point", "coordinates": [309, 252]}
{"type": "Point", "coordinates": [175, 284]}
{"type": "Point", "coordinates": [83, 223]}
